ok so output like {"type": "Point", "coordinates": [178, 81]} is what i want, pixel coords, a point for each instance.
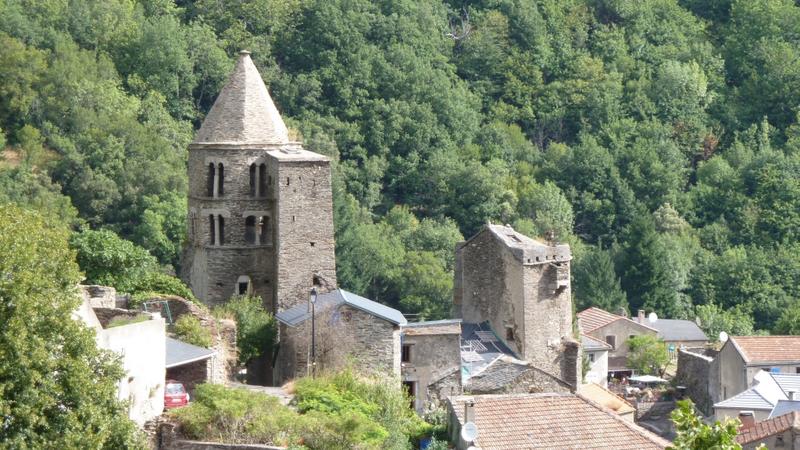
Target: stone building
{"type": "Point", "coordinates": [349, 330]}
{"type": "Point", "coordinates": [614, 330]}
{"type": "Point", "coordinates": [431, 361]}
{"type": "Point", "coordinates": [521, 288]}
{"type": "Point", "coordinates": [260, 217]}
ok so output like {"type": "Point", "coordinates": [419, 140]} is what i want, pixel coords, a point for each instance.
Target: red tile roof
{"type": "Point", "coordinates": [755, 349]}
{"type": "Point", "coordinates": [762, 430]}
{"type": "Point", "coordinates": [551, 421]}
{"type": "Point", "coordinates": [593, 318]}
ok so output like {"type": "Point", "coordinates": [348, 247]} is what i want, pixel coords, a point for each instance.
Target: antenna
{"type": "Point", "coordinates": [652, 317]}
{"type": "Point", "coordinates": [723, 336]}
{"type": "Point", "coordinates": [469, 432]}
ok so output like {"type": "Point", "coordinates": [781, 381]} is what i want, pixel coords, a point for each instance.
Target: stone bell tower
{"type": "Point", "coordinates": [260, 216]}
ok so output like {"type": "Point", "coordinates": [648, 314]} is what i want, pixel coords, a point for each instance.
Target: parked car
{"type": "Point", "coordinates": [175, 395]}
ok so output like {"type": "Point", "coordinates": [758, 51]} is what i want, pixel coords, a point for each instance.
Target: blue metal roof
{"type": "Point", "coordinates": [784, 407]}
{"type": "Point", "coordinates": [300, 313]}
{"type": "Point", "coordinates": [180, 353]}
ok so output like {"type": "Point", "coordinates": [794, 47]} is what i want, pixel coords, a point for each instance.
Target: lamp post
{"type": "Point", "coordinates": [313, 333]}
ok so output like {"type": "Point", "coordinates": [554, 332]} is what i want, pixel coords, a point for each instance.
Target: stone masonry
{"type": "Point", "coordinates": [260, 216]}
{"type": "Point", "coordinates": [522, 287]}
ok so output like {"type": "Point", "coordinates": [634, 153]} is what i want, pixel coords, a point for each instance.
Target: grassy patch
{"type": "Point", "coordinates": [127, 320]}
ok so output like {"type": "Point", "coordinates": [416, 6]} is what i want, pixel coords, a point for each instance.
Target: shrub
{"type": "Point", "coordinates": [188, 329]}
{"type": "Point", "coordinates": [159, 283]}
{"type": "Point", "coordinates": [223, 414]}
{"type": "Point", "coordinates": [256, 329]}
{"type": "Point", "coordinates": [107, 259]}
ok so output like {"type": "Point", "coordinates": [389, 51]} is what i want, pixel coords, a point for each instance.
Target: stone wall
{"type": "Point", "coordinates": [344, 335]}
{"type": "Point", "coordinates": [305, 243]}
{"type": "Point", "coordinates": [694, 372]}
{"type": "Point", "coordinates": [435, 366]}
{"type": "Point", "coordinates": [99, 296]}
{"type": "Point", "coordinates": [191, 374]}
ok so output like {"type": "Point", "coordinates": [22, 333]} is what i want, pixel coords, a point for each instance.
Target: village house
{"type": "Point", "coordinates": [607, 399]}
{"type": "Point", "coordinates": [596, 353]}
{"type": "Point", "coordinates": [431, 361]}
{"type": "Point", "coordinates": [516, 291]}
{"type": "Point", "coordinates": [742, 357]}
{"type": "Point", "coordinates": [769, 391]}
{"type": "Point", "coordinates": [782, 432]}
{"type": "Point", "coordinates": [547, 421]}
{"type": "Point", "coordinates": [347, 329]}
{"type": "Point", "coordinates": [615, 331]}
{"type": "Point", "coordinates": [676, 333]}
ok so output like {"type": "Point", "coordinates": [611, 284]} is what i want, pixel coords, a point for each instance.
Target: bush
{"type": "Point", "coordinates": [107, 259]}
{"type": "Point", "coordinates": [157, 283]}
{"type": "Point", "coordinates": [256, 329]}
{"type": "Point", "coordinates": [239, 416]}
{"type": "Point", "coordinates": [188, 329]}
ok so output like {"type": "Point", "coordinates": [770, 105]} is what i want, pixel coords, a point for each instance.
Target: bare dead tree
{"type": "Point", "coordinates": [461, 30]}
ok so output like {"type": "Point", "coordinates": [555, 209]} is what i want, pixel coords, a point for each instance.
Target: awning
{"type": "Point", "coordinates": [647, 379]}
{"type": "Point", "coordinates": [180, 353]}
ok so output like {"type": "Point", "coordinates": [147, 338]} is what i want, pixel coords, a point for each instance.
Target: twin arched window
{"type": "Point", "coordinates": [216, 227]}
{"type": "Point", "coordinates": [257, 230]}
{"type": "Point", "coordinates": [258, 180]}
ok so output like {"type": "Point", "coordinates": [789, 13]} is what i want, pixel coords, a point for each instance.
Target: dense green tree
{"type": "Point", "coordinates": [694, 434]}
{"type": "Point", "coordinates": [595, 282]}
{"type": "Point", "coordinates": [789, 321]}
{"type": "Point", "coordinates": [58, 390]}
{"type": "Point", "coordinates": [647, 354]}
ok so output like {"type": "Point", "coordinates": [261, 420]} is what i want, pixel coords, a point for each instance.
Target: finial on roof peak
{"type": "Point", "coordinates": [244, 52]}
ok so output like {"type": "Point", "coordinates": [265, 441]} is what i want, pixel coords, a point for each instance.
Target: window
{"type": "Point", "coordinates": [631, 336]}
{"type": "Point", "coordinates": [779, 441]}
{"type": "Point", "coordinates": [406, 354]}
{"type": "Point", "coordinates": [250, 229]}
{"type": "Point", "coordinates": [612, 341]}
{"type": "Point", "coordinates": [312, 244]}
{"type": "Point", "coordinates": [287, 181]}
{"type": "Point", "coordinates": [262, 180]}
{"type": "Point", "coordinates": [221, 180]}
{"type": "Point", "coordinates": [212, 229]}
{"type": "Point", "coordinates": [221, 230]}
{"type": "Point", "coordinates": [243, 285]}
{"type": "Point", "coordinates": [264, 230]}
{"type": "Point", "coordinates": [591, 357]}
{"type": "Point", "coordinates": [253, 181]}
{"type": "Point", "coordinates": [797, 370]}
{"type": "Point", "coordinates": [210, 181]}
{"type": "Point", "coordinates": [509, 334]}
{"type": "Point", "coordinates": [315, 281]}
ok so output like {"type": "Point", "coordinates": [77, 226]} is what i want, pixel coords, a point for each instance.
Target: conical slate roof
{"type": "Point", "coordinates": [243, 112]}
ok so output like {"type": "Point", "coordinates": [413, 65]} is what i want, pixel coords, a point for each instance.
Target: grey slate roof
{"type": "Point", "coordinates": [677, 330]}
{"type": "Point", "coordinates": [298, 314]}
{"type": "Point", "coordinates": [784, 407]}
{"type": "Point", "coordinates": [180, 353]}
{"type": "Point", "coordinates": [243, 113]}
{"type": "Point", "coordinates": [498, 374]}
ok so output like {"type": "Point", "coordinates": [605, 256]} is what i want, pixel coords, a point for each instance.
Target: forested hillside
{"type": "Point", "coordinates": [660, 138]}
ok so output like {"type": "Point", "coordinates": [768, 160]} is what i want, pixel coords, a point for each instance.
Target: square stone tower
{"type": "Point", "coordinates": [522, 288]}
{"type": "Point", "coordinates": [260, 216]}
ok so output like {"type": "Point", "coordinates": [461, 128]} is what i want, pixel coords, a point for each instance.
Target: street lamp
{"type": "Point", "coordinates": [313, 333]}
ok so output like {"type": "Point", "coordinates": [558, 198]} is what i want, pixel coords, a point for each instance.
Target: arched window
{"type": "Point", "coordinates": [243, 285]}
{"type": "Point", "coordinates": [210, 182]}
{"type": "Point", "coordinates": [264, 230]}
{"type": "Point", "coordinates": [221, 178]}
{"type": "Point", "coordinates": [262, 180]}
{"type": "Point", "coordinates": [212, 229]}
{"type": "Point", "coordinates": [253, 180]}
{"type": "Point", "coordinates": [250, 229]}
{"type": "Point", "coordinates": [221, 230]}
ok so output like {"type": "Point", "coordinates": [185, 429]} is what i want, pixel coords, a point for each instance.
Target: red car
{"type": "Point", "coordinates": [175, 395]}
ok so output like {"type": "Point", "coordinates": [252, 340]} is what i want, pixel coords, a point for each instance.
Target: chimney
{"type": "Point", "coordinates": [623, 312]}
{"type": "Point", "coordinates": [747, 419]}
{"type": "Point", "coordinates": [469, 410]}
{"type": "Point", "coordinates": [641, 316]}
{"type": "Point", "coordinates": [792, 394]}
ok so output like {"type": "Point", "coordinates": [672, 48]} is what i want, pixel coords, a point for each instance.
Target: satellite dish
{"type": "Point", "coordinates": [469, 432]}
{"type": "Point", "coordinates": [723, 336]}
{"type": "Point", "coordinates": [652, 317]}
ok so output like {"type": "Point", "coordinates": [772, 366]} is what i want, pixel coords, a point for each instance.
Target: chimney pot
{"type": "Point", "coordinates": [244, 52]}
{"type": "Point", "coordinates": [469, 410]}
{"type": "Point", "coordinates": [747, 419]}
{"type": "Point", "coordinates": [641, 316]}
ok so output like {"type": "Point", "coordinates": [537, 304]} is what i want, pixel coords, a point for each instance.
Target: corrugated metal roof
{"type": "Point", "coordinates": [787, 381]}
{"type": "Point", "coordinates": [180, 353]}
{"type": "Point", "coordinates": [749, 399]}
{"type": "Point", "coordinates": [300, 313]}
